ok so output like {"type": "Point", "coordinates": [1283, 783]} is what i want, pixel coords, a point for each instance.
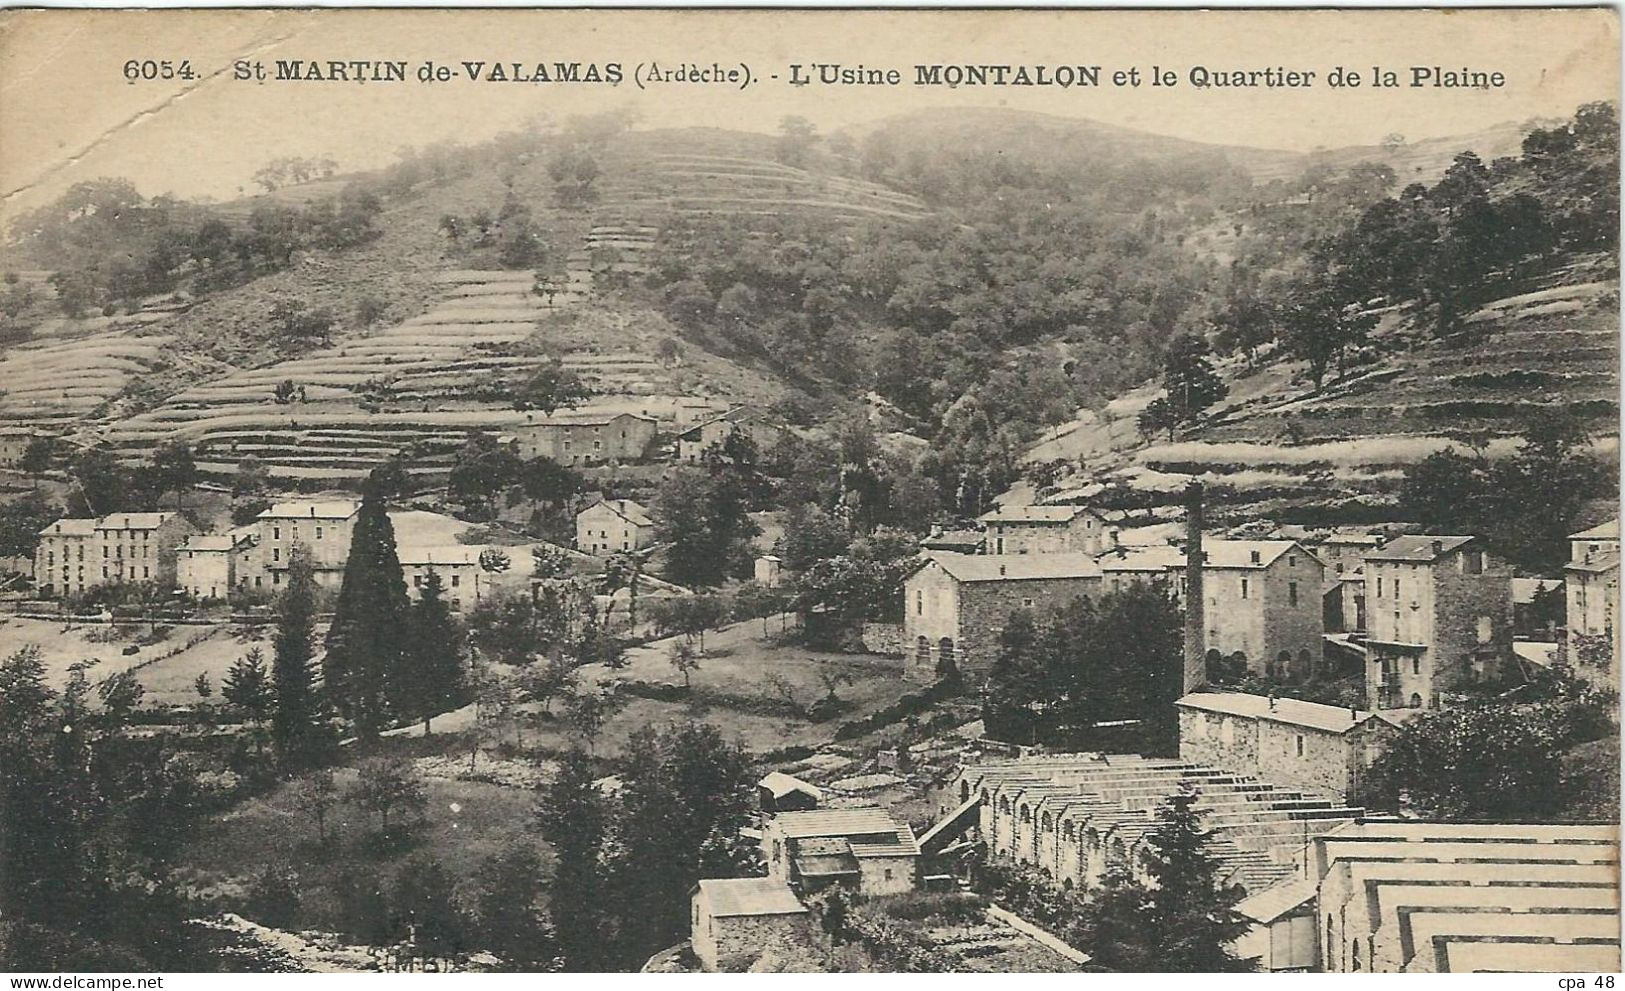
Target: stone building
{"type": "Point", "coordinates": [141, 546]}
{"type": "Point", "coordinates": [324, 528]}
{"type": "Point", "coordinates": [1321, 749]}
{"type": "Point", "coordinates": [1077, 817]}
{"type": "Point", "coordinates": [742, 918]}
{"type": "Point", "coordinates": [207, 564]}
{"type": "Point", "coordinates": [611, 526]}
{"type": "Point", "coordinates": [864, 849]}
{"type": "Point", "coordinates": [578, 437]}
{"type": "Point", "coordinates": [1426, 897]}
{"type": "Point", "coordinates": [1438, 619]}
{"type": "Point", "coordinates": [1344, 551]}
{"type": "Point", "coordinates": [956, 605]}
{"type": "Point", "coordinates": [458, 565]}
{"type": "Point", "coordinates": [1265, 606]}
{"type": "Point", "coordinates": [1592, 580]}
{"type": "Point", "coordinates": [780, 792]}
{"type": "Point", "coordinates": [61, 568]}
{"type": "Point", "coordinates": [696, 440]}
{"type": "Point", "coordinates": [13, 442]}
{"type": "Point", "coordinates": [1047, 530]}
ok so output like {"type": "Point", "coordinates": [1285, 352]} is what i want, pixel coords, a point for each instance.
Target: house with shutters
{"type": "Point", "coordinates": [613, 526]}
{"type": "Point", "coordinates": [956, 605]}
{"type": "Point", "coordinates": [577, 437]}
{"type": "Point", "coordinates": [67, 559]}
{"type": "Point", "coordinates": [323, 527]}
{"type": "Point", "coordinates": [1046, 530]}
{"type": "Point", "coordinates": [1438, 619]}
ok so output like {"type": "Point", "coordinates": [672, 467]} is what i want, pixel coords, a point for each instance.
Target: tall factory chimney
{"type": "Point", "coordinates": [1195, 669]}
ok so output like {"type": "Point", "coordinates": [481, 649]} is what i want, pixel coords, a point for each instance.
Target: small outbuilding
{"type": "Point", "coordinates": [780, 792]}
{"type": "Point", "coordinates": [744, 917]}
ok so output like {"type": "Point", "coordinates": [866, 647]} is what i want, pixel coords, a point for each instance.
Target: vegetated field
{"type": "Point", "coordinates": [1275, 446]}
{"type": "Point", "coordinates": [53, 382]}
{"type": "Point", "coordinates": [464, 822]}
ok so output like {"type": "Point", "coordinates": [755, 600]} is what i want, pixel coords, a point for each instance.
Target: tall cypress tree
{"type": "Point", "coordinates": [295, 720]}
{"type": "Point", "coordinates": [431, 678]}
{"type": "Point", "coordinates": [367, 642]}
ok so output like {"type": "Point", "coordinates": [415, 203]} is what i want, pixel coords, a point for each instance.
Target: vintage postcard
{"type": "Point", "coordinates": [834, 491]}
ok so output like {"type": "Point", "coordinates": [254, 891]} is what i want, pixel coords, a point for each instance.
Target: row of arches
{"type": "Point", "coordinates": [941, 657]}
{"type": "Point", "coordinates": [1066, 847]}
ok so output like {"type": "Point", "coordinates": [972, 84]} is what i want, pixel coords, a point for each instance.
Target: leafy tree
{"type": "Point", "coordinates": [388, 786]}
{"type": "Point", "coordinates": [424, 893]}
{"type": "Point", "coordinates": [1320, 327]}
{"type": "Point", "coordinates": [495, 560]}
{"type": "Point", "coordinates": [174, 468]}
{"type": "Point", "coordinates": [1159, 415]}
{"type": "Point", "coordinates": [545, 481]}
{"type": "Point", "coordinates": [296, 722]}
{"type": "Point", "coordinates": [547, 561]}
{"type": "Point", "coordinates": [316, 796]}
{"type": "Point", "coordinates": [120, 694]}
{"type": "Point", "coordinates": [482, 470]}
{"type": "Point", "coordinates": [1017, 681]}
{"type": "Point", "coordinates": [250, 480]}
{"type": "Point", "coordinates": [797, 136]}
{"type": "Point", "coordinates": [431, 675]}
{"type": "Point", "coordinates": [1189, 378]}
{"type": "Point", "coordinates": [509, 919]}
{"type": "Point", "coordinates": [685, 660]}
{"type": "Point", "coordinates": [37, 458]}
{"type": "Point", "coordinates": [367, 641]}
{"type": "Point", "coordinates": [704, 519]}
{"type": "Point", "coordinates": [810, 536]}
{"type": "Point", "coordinates": [588, 712]}
{"type": "Point", "coordinates": [573, 818]}
{"type": "Point", "coordinates": [551, 387]}
{"type": "Point", "coordinates": [203, 686]}
{"type": "Point", "coordinates": [21, 521]}
{"type": "Point", "coordinates": [390, 480]}
{"type": "Point", "coordinates": [685, 794]}
{"type": "Point", "coordinates": [284, 392]}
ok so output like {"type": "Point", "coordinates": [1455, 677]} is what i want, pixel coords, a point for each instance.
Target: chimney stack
{"type": "Point", "coordinates": [1195, 667]}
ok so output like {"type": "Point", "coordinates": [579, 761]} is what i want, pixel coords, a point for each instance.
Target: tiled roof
{"type": "Point", "coordinates": [781, 784]}
{"type": "Point", "coordinates": [1602, 531]}
{"type": "Point", "coordinates": [1274, 902]}
{"type": "Point", "coordinates": [133, 521]}
{"type": "Point", "coordinates": [1240, 553]}
{"type": "Point", "coordinates": [905, 846]}
{"type": "Point", "coordinates": [626, 509]}
{"type": "Point", "coordinates": [581, 418]}
{"type": "Point", "coordinates": [1418, 548]}
{"type": "Point", "coordinates": [306, 509]}
{"type": "Point", "coordinates": [1596, 563]}
{"type": "Point", "coordinates": [458, 554]}
{"type": "Point", "coordinates": [1143, 559]}
{"type": "Point", "coordinates": [70, 528]}
{"type": "Point", "coordinates": [1033, 514]}
{"type": "Point", "coordinates": [835, 822]}
{"type": "Point", "coordinates": [750, 896]}
{"type": "Point", "coordinates": [1293, 712]}
{"type": "Point", "coordinates": [1016, 567]}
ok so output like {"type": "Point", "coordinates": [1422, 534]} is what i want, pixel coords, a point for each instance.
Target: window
{"type": "Point", "coordinates": [276, 553]}
{"type": "Point", "coordinates": [1416, 700]}
{"type": "Point", "coordinates": [919, 602]}
{"type": "Point", "coordinates": [145, 573]}
{"type": "Point", "coordinates": [1379, 587]}
{"type": "Point", "coordinates": [1416, 665]}
{"type": "Point", "coordinates": [1244, 588]}
{"type": "Point", "coordinates": [50, 558]}
{"type": "Point", "coordinates": [1026, 603]}
{"type": "Point", "coordinates": [104, 552]}
{"type": "Point", "coordinates": [1300, 744]}
{"type": "Point", "coordinates": [455, 579]}
{"type": "Point", "coordinates": [276, 533]}
{"type": "Point", "coordinates": [1227, 730]}
{"type": "Point", "coordinates": [888, 873]}
{"type": "Point", "coordinates": [1292, 561]}
{"type": "Point", "coordinates": [318, 533]}
{"type": "Point", "coordinates": [417, 581]}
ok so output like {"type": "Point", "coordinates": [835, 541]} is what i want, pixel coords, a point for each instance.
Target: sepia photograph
{"type": "Point", "coordinates": [781, 491]}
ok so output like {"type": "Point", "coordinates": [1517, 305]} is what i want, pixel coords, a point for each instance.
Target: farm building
{"type": "Point", "coordinates": [780, 792]}
{"type": "Point", "coordinates": [324, 528]}
{"type": "Point", "coordinates": [613, 525]}
{"type": "Point", "coordinates": [1438, 618]}
{"type": "Point", "coordinates": [584, 437]}
{"type": "Point", "coordinates": [1426, 897]}
{"type": "Point", "coordinates": [1321, 749]}
{"type": "Point", "coordinates": [862, 848]}
{"type": "Point", "coordinates": [954, 541]}
{"type": "Point", "coordinates": [1047, 530]}
{"type": "Point", "coordinates": [743, 917]}
{"type": "Point", "coordinates": [956, 605]}
{"type": "Point", "coordinates": [209, 565]}
{"type": "Point", "coordinates": [458, 566]}
{"type": "Point", "coordinates": [703, 436]}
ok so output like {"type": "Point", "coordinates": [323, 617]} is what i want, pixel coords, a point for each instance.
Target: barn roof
{"type": "Point", "coordinates": [1016, 567]}
{"type": "Point", "coordinates": [750, 896]}
{"type": "Point", "coordinates": [1292, 712]}
{"type": "Point", "coordinates": [1418, 548]}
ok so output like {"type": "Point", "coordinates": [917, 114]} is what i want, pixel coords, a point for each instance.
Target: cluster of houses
{"type": "Point", "coordinates": [584, 437]}
{"type": "Point", "coordinates": [1424, 616]}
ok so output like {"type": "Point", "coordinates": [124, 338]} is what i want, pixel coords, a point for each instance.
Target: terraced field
{"type": "Point", "coordinates": [56, 381]}
{"type": "Point", "coordinates": [416, 388]}
{"type": "Point", "coordinates": [1276, 446]}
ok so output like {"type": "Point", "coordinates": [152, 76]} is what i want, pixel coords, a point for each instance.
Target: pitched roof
{"type": "Point", "coordinates": [445, 554]}
{"type": "Point", "coordinates": [1292, 712]}
{"type": "Point", "coordinates": [70, 528]}
{"type": "Point", "coordinates": [1034, 514]}
{"type": "Point", "coordinates": [1154, 558]}
{"type": "Point", "coordinates": [1420, 548]}
{"type": "Point", "coordinates": [781, 784]}
{"type": "Point", "coordinates": [750, 896]}
{"type": "Point", "coordinates": [1015, 567]}
{"type": "Point", "coordinates": [1602, 531]}
{"type": "Point", "coordinates": [835, 822]}
{"type": "Point", "coordinates": [306, 509]}
{"type": "Point", "coordinates": [626, 509]}
{"type": "Point", "coordinates": [133, 521]}
{"type": "Point", "coordinates": [904, 846]}
{"type": "Point", "coordinates": [1220, 553]}
{"type": "Point", "coordinates": [580, 418]}
{"type": "Point", "coordinates": [1274, 902]}
{"type": "Point", "coordinates": [1361, 539]}
{"type": "Point", "coordinates": [211, 542]}
{"type": "Point", "coordinates": [1595, 563]}
{"type": "Point", "coordinates": [1524, 590]}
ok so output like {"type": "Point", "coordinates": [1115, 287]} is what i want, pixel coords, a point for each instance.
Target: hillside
{"type": "Point", "coordinates": [1277, 449]}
